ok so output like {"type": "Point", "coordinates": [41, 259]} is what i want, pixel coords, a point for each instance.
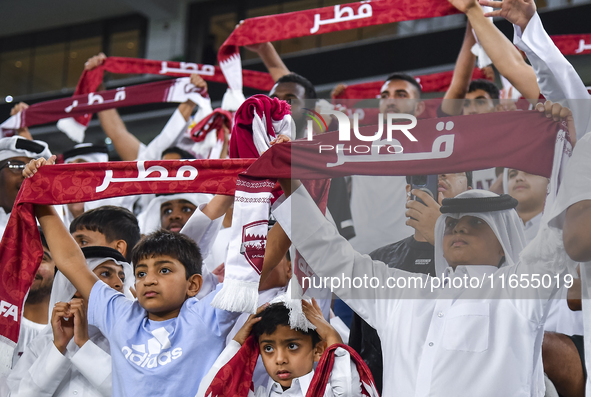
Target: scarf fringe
{"type": "Point", "coordinates": [73, 129]}
{"type": "Point", "coordinates": [232, 100]}
{"type": "Point", "coordinates": [237, 296]}
{"type": "Point", "coordinates": [232, 69]}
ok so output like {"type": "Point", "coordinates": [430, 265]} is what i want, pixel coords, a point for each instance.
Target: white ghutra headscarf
{"type": "Point", "coordinates": [505, 224]}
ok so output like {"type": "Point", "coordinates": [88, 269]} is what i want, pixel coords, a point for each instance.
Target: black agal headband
{"type": "Point", "coordinates": [477, 204]}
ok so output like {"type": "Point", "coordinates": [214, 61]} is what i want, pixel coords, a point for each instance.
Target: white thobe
{"type": "Point", "coordinates": [81, 372]}
{"type": "Point", "coordinates": [434, 343]}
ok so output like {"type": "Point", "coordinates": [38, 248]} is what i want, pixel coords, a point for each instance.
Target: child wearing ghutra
{"type": "Point", "coordinates": [444, 335]}
{"type": "Point", "coordinates": [71, 356]}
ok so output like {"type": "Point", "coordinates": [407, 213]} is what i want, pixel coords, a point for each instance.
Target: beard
{"type": "Point", "coordinates": [39, 294]}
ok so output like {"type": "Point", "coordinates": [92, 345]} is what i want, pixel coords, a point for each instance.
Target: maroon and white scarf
{"type": "Point", "coordinates": [207, 134]}
{"type": "Point", "coordinates": [67, 110]}
{"type": "Point", "coordinates": [91, 79]}
{"type": "Point", "coordinates": [257, 122]}
{"type": "Point", "coordinates": [235, 378]}
{"type": "Point", "coordinates": [526, 141]}
{"type": "Point", "coordinates": [318, 21]}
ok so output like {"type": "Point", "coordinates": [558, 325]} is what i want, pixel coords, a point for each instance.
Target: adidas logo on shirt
{"type": "Point", "coordinates": [158, 351]}
{"type": "Point", "coordinates": [422, 261]}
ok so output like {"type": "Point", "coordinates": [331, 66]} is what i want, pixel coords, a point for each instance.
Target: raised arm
{"type": "Point", "coordinates": [24, 132]}
{"type": "Point", "coordinates": [501, 51]}
{"type": "Point", "coordinates": [65, 251]}
{"type": "Point", "coordinates": [557, 79]}
{"type": "Point", "coordinates": [271, 59]}
{"type": "Point", "coordinates": [452, 101]}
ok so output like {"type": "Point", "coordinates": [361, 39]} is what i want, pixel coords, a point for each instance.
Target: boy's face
{"type": "Point", "coordinates": [89, 238]}
{"type": "Point", "coordinates": [162, 286]}
{"type": "Point", "coordinates": [111, 274]}
{"type": "Point", "coordinates": [288, 354]}
{"type": "Point", "coordinates": [175, 213]}
{"type": "Point", "coordinates": [470, 241]}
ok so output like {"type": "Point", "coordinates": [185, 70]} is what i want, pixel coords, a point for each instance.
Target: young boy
{"type": "Point", "coordinates": [107, 226]}
{"type": "Point", "coordinates": [71, 357]}
{"type": "Point", "coordinates": [288, 355]}
{"type": "Point", "coordinates": [154, 340]}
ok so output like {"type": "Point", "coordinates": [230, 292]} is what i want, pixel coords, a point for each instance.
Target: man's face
{"type": "Point", "coordinates": [175, 213]}
{"type": "Point", "coordinates": [478, 102]}
{"type": "Point", "coordinates": [399, 96]}
{"type": "Point", "coordinates": [295, 94]}
{"type": "Point", "coordinates": [41, 287]}
{"type": "Point", "coordinates": [162, 286]}
{"type": "Point", "coordinates": [10, 182]}
{"type": "Point", "coordinates": [288, 354]}
{"type": "Point", "coordinates": [529, 190]}
{"type": "Point", "coordinates": [470, 241]}
{"type": "Point", "coordinates": [450, 185]}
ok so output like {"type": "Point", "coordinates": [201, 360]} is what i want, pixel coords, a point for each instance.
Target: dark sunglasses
{"type": "Point", "coordinates": [15, 166]}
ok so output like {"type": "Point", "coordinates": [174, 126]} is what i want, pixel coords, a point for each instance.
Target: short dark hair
{"type": "Point", "coordinates": [43, 239]}
{"type": "Point", "coordinates": [487, 86]}
{"type": "Point", "coordinates": [176, 245]}
{"type": "Point", "coordinates": [275, 315]}
{"type": "Point", "coordinates": [310, 91]}
{"type": "Point", "coordinates": [183, 153]}
{"type": "Point", "coordinates": [115, 223]}
{"type": "Point", "coordinates": [468, 176]}
{"type": "Point", "coordinates": [406, 77]}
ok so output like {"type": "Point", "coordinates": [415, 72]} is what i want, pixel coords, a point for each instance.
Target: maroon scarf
{"type": "Point", "coordinates": [90, 80]}
{"type": "Point", "coordinates": [521, 140]}
{"type": "Point", "coordinates": [318, 21]}
{"type": "Point", "coordinates": [235, 378]}
{"type": "Point", "coordinates": [83, 105]}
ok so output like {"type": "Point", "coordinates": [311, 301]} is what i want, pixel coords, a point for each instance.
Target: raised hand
{"type": "Point", "coordinates": [559, 113]}
{"type": "Point", "coordinates": [244, 332]}
{"type": "Point", "coordinates": [280, 139]}
{"type": "Point", "coordinates": [62, 325]}
{"type": "Point", "coordinates": [18, 107]}
{"type": "Point", "coordinates": [325, 330]}
{"type": "Point", "coordinates": [518, 12]}
{"type": "Point", "coordinates": [95, 61]}
{"type": "Point", "coordinates": [78, 311]}
{"type": "Point", "coordinates": [34, 165]}
{"type": "Point", "coordinates": [422, 217]}
{"type": "Point", "coordinates": [198, 81]}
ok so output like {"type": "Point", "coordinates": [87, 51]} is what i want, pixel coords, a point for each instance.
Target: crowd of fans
{"type": "Point", "coordinates": [121, 302]}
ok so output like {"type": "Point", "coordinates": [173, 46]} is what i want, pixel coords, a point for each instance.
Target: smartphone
{"type": "Point", "coordinates": [427, 183]}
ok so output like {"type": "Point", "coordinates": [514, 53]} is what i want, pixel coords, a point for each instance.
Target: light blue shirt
{"type": "Point", "coordinates": [165, 358]}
